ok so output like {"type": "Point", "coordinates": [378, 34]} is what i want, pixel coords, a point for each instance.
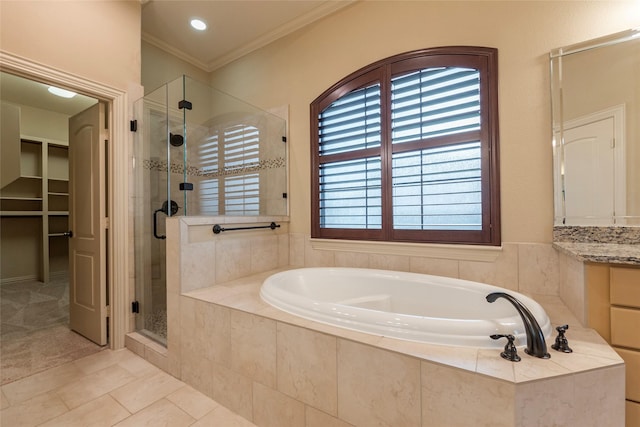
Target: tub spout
{"type": "Point", "coordinates": [536, 345]}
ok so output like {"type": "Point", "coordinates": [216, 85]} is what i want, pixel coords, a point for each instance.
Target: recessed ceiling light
{"type": "Point", "coordinates": [61, 92]}
{"type": "Point", "coordinates": [198, 24]}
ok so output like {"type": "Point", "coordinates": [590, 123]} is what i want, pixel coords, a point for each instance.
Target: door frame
{"type": "Point", "coordinates": [118, 242]}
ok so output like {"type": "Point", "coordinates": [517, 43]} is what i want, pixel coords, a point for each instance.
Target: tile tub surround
{"type": "Point", "coordinates": [278, 369]}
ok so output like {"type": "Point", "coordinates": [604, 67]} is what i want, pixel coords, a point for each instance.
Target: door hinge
{"type": "Point", "coordinates": [284, 139]}
{"type": "Point", "coordinates": [185, 104]}
{"type": "Point", "coordinates": [133, 125]}
{"type": "Point", "coordinates": [613, 143]}
{"type": "Point", "coordinates": [135, 307]}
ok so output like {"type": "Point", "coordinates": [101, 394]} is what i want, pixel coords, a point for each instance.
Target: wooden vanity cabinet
{"type": "Point", "coordinates": [613, 309]}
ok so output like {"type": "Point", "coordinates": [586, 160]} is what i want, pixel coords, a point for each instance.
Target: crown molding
{"type": "Point", "coordinates": [319, 12]}
{"type": "Point", "coordinates": [160, 44]}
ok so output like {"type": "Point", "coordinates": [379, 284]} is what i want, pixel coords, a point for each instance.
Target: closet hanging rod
{"type": "Point", "coordinates": [217, 229]}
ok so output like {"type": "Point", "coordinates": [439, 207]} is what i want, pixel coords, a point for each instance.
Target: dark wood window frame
{"type": "Point", "coordinates": [483, 59]}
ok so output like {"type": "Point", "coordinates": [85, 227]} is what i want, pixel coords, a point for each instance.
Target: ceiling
{"type": "Point", "coordinates": [235, 28]}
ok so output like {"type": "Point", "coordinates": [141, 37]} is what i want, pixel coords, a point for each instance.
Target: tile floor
{"type": "Point", "coordinates": [34, 331]}
{"type": "Point", "coordinates": [109, 388]}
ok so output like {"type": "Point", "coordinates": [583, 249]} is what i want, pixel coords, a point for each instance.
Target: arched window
{"type": "Point", "coordinates": [406, 149]}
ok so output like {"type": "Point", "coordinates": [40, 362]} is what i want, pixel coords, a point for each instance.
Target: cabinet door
{"type": "Point", "coordinates": [625, 286]}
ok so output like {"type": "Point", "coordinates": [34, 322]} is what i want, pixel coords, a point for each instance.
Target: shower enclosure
{"type": "Point", "coordinates": [198, 152]}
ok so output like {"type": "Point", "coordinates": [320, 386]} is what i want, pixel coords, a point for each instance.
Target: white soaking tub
{"type": "Point", "coordinates": [410, 306]}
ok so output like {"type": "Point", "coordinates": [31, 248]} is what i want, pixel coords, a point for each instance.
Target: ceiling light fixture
{"type": "Point", "coordinates": [61, 92]}
{"type": "Point", "coordinates": [198, 24]}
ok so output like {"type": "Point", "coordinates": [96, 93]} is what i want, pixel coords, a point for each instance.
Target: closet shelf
{"type": "Point", "coordinates": [37, 199]}
{"type": "Point", "coordinates": [58, 213]}
{"type": "Point", "coordinates": [21, 213]}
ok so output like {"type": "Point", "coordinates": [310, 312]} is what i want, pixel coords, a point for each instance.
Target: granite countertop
{"type": "Point", "coordinates": [611, 245]}
{"type": "Point", "coordinates": [611, 253]}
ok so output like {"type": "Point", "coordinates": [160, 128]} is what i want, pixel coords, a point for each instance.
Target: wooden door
{"type": "Point", "coordinates": [88, 309]}
{"type": "Point", "coordinates": [589, 172]}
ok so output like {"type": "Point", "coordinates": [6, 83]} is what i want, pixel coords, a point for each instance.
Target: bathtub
{"type": "Point", "coordinates": [409, 306]}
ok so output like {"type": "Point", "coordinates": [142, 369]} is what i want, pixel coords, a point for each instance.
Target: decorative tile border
{"type": "Point", "coordinates": [161, 166]}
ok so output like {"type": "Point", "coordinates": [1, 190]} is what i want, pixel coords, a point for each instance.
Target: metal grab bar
{"type": "Point", "coordinates": [217, 229]}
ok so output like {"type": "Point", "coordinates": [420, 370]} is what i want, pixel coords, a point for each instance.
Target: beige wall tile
{"type": "Point", "coordinates": [264, 253]}
{"type": "Point", "coordinates": [306, 366]}
{"type": "Point", "coordinates": [538, 271]}
{"type": "Point", "coordinates": [157, 357]}
{"type": "Point", "coordinates": [503, 272]}
{"type": "Point", "coordinates": [599, 398]}
{"type": "Point", "coordinates": [317, 258]}
{"type": "Point", "coordinates": [274, 409]}
{"type": "Point", "coordinates": [377, 387]}
{"type": "Point", "coordinates": [233, 259]}
{"type": "Point", "coordinates": [540, 402]}
{"type": "Point", "coordinates": [597, 298]}
{"type": "Point", "coordinates": [4, 402]}
{"type": "Point", "coordinates": [197, 371]}
{"type": "Point", "coordinates": [296, 249]}
{"type": "Point", "coordinates": [133, 344]}
{"type": "Point", "coordinates": [232, 390]}
{"type": "Point", "coordinates": [571, 288]}
{"type": "Point", "coordinates": [389, 262]}
{"type": "Point", "coordinates": [436, 267]}
{"type": "Point", "coordinates": [197, 261]}
{"type": "Point", "coordinates": [283, 250]}
{"type": "Point", "coordinates": [351, 259]}
{"type": "Point", "coordinates": [456, 398]}
{"type": "Point", "coordinates": [253, 347]}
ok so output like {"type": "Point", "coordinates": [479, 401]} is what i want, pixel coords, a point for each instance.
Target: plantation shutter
{"type": "Point", "coordinates": [406, 150]}
{"type": "Point", "coordinates": [241, 161]}
{"type": "Point", "coordinates": [350, 190]}
{"type": "Point", "coordinates": [437, 188]}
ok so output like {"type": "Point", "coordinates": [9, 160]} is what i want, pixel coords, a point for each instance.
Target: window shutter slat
{"type": "Point", "coordinates": [433, 103]}
{"type": "Point", "coordinates": [351, 123]}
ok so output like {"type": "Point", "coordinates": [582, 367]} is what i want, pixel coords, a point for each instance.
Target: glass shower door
{"type": "Point", "coordinates": [197, 152]}
{"type": "Point", "coordinates": [159, 151]}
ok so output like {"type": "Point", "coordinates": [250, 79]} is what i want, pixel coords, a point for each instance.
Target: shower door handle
{"type": "Point", "coordinates": [155, 224]}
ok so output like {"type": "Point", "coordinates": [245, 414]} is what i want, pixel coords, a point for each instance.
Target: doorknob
{"type": "Point", "coordinates": [68, 233]}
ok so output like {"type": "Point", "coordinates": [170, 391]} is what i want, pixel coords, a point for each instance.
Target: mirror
{"type": "Point", "coordinates": [595, 103]}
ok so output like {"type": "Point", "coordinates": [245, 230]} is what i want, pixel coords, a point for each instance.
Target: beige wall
{"type": "Point", "coordinates": [159, 68]}
{"type": "Point", "coordinates": [296, 69]}
{"type": "Point", "coordinates": [97, 40]}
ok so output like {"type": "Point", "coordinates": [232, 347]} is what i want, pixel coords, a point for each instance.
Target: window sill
{"type": "Point", "coordinates": [427, 250]}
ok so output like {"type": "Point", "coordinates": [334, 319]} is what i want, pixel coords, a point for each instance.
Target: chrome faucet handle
{"type": "Point", "coordinates": [510, 351]}
{"type": "Point", "coordinates": [562, 344]}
